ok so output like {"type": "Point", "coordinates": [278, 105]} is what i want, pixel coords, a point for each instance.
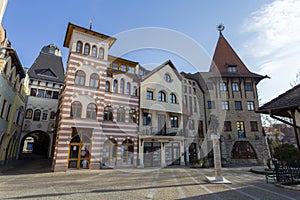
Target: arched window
{"type": "Point", "coordinates": [128, 88]}
{"type": "Point", "coordinates": [107, 86]}
{"type": "Point", "coordinates": [121, 115]}
{"type": "Point", "coordinates": [110, 152]}
{"type": "Point", "coordinates": [86, 49]}
{"type": "Point", "coordinates": [94, 51]}
{"type": "Point", "coordinates": [161, 96]}
{"type": "Point", "coordinates": [79, 77]}
{"type": "Point", "coordinates": [37, 115]}
{"type": "Point", "coordinates": [108, 114]}
{"type": "Point", "coordinates": [122, 86]}
{"type": "Point", "coordinates": [94, 80]}
{"type": "Point", "coordinates": [127, 152]}
{"type": "Point", "coordinates": [134, 92]}
{"type": "Point", "coordinates": [28, 113]}
{"type": "Point", "coordinates": [173, 98]}
{"type": "Point", "coordinates": [76, 109]}
{"type": "Point", "coordinates": [45, 115]}
{"type": "Point", "coordinates": [101, 53]}
{"type": "Point", "coordinates": [132, 115]}
{"type": "Point", "coordinates": [52, 115]}
{"type": "Point", "coordinates": [91, 111]}
{"type": "Point", "coordinates": [115, 86]}
{"type": "Point", "coordinates": [79, 47]}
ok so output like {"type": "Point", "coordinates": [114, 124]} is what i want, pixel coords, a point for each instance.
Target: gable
{"type": "Point", "coordinates": [47, 72]}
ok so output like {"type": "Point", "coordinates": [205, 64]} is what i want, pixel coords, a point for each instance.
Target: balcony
{"type": "Point", "coordinates": [155, 131]}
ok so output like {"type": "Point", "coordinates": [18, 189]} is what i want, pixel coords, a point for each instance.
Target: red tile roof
{"type": "Point", "coordinates": [225, 56]}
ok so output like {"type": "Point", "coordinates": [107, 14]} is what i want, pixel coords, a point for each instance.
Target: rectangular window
{"type": "Point", "coordinates": [48, 94]}
{"type": "Point", "coordinates": [235, 87]}
{"type": "Point", "coordinates": [190, 90]}
{"type": "Point", "coordinates": [253, 126]}
{"type": "Point", "coordinates": [149, 95]}
{"type": "Point", "coordinates": [8, 112]}
{"type": "Point", "coordinates": [3, 108]}
{"type": "Point", "coordinates": [185, 100]}
{"type": "Point", "coordinates": [200, 129]}
{"type": "Point", "coordinates": [55, 95]}
{"type": "Point", "coordinates": [211, 105]}
{"type": "Point", "coordinates": [223, 86]}
{"type": "Point", "coordinates": [191, 124]}
{"type": "Point", "coordinates": [227, 125]}
{"type": "Point", "coordinates": [209, 86]}
{"type": "Point", "coordinates": [240, 129]}
{"type": "Point", "coordinates": [238, 105]}
{"type": "Point", "coordinates": [45, 115]}
{"type": "Point", "coordinates": [141, 72]}
{"type": "Point", "coordinates": [225, 105]}
{"type": "Point", "coordinates": [195, 104]}
{"type": "Point", "coordinates": [33, 92]}
{"type": "Point", "coordinates": [131, 70]}
{"type": "Point", "coordinates": [123, 68]}
{"type": "Point", "coordinates": [174, 121]}
{"type": "Point", "coordinates": [146, 119]}
{"type": "Point", "coordinates": [41, 93]}
{"type": "Point", "coordinates": [248, 87]}
{"type": "Point", "coordinates": [191, 105]}
{"type": "Point", "coordinates": [250, 105]}
{"type": "Point", "coordinates": [232, 68]}
{"type": "Point", "coordinates": [185, 89]}
{"type": "Point", "coordinates": [115, 66]}
{"type": "Point", "coordinates": [194, 90]}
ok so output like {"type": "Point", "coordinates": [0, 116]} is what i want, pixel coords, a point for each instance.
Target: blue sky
{"type": "Point", "coordinates": [264, 33]}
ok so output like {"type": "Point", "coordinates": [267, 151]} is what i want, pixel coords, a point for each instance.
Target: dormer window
{"type": "Point", "coordinates": [232, 68]}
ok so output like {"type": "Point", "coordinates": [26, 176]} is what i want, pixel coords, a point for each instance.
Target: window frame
{"type": "Point", "coordinates": [79, 78]}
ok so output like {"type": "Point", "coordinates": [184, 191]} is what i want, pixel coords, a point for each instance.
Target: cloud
{"type": "Point", "coordinates": [274, 45]}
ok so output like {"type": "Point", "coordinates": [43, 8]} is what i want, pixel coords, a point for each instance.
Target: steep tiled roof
{"type": "Point", "coordinates": [47, 62]}
{"type": "Point", "coordinates": [281, 104]}
{"type": "Point", "coordinates": [225, 56]}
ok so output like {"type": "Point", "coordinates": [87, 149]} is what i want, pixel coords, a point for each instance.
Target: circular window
{"type": "Point", "coordinates": [167, 78]}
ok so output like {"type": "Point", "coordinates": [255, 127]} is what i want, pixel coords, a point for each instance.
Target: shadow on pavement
{"type": "Point", "coordinates": [29, 164]}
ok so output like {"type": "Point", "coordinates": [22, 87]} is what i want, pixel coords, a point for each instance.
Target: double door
{"type": "Point", "coordinates": [152, 154]}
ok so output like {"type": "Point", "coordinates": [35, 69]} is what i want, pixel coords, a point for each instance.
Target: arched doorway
{"type": "Point", "coordinates": [110, 153]}
{"type": "Point", "coordinates": [79, 152]}
{"type": "Point", "coordinates": [127, 152]}
{"type": "Point", "coordinates": [35, 145]}
{"type": "Point", "coordinates": [243, 150]}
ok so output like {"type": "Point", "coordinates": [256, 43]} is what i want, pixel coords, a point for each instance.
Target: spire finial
{"type": "Point", "coordinates": [91, 24]}
{"type": "Point", "coordinates": [220, 28]}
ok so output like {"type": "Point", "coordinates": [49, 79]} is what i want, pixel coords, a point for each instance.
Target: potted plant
{"type": "Point", "coordinates": [198, 163]}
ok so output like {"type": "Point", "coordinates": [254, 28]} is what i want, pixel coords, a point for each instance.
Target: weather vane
{"type": "Point", "coordinates": [220, 28]}
{"type": "Point", "coordinates": [91, 24]}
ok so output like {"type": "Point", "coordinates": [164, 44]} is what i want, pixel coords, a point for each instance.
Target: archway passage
{"type": "Point", "coordinates": [243, 150]}
{"type": "Point", "coordinates": [35, 145]}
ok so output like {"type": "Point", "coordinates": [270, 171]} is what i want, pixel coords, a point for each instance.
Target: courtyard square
{"type": "Point", "coordinates": [166, 183]}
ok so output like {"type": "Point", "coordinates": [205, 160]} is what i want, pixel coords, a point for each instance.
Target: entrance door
{"type": "Point", "coordinates": [192, 153]}
{"type": "Point", "coordinates": [152, 154]}
{"type": "Point", "coordinates": [79, 152]}
{"type": "Point", "coordinates": [161, 124]}
{"type": "Point", "coordinates": [173, 153]}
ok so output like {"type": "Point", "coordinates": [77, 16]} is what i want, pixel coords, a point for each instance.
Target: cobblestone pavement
{"type": "Point", "coordinates": [168, 183]}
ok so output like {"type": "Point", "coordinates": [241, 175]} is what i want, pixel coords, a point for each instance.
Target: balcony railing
{"type": "Point", "coordinates": [155, 131]}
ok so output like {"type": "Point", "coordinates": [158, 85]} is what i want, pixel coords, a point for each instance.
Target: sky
{"type": "Point", "coordinates": [264, 33]}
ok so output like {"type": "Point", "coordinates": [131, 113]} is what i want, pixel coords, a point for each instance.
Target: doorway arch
{"type": "Point", "coordinates": [243, 150]}
{"type": "Point", "coordinates": [110, 152]}
{"type": "Point", "coordinates": [79, 152]}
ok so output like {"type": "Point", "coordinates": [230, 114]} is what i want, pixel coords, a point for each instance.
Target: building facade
{"type": "Point", "coordinates": [115, 113]}
{"type": "Point", "coordinates": [99, 104]}
{"type": "Point", "coordinates": [12, 100]}
{"type": "Point", "coordinates": [46, 78]}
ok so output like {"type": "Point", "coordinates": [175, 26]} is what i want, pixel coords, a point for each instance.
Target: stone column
{"type": "Point", "coordinates": [163, 153]}
{"type": "Point", "coordinates": [217, 158]}
{"type": "Point", "coordinates": [141, 153]}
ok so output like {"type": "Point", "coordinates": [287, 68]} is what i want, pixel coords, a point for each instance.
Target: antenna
{"type": "Point", "coordinates": [91, 24]}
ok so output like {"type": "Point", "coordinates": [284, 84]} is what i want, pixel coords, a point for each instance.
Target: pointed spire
{"type": "Point", "coordinates": [91, 24]}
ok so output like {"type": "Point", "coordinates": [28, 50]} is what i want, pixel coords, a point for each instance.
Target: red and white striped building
{"type": "Point", "coordinates": [98, 117]}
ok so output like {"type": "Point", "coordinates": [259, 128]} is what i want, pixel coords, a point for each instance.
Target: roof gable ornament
{"type": "Point", "coordinates": [220, 28]}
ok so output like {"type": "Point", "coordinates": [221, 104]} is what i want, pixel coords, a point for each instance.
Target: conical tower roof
{"type": "Point", "coordinates": [225, 57]}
